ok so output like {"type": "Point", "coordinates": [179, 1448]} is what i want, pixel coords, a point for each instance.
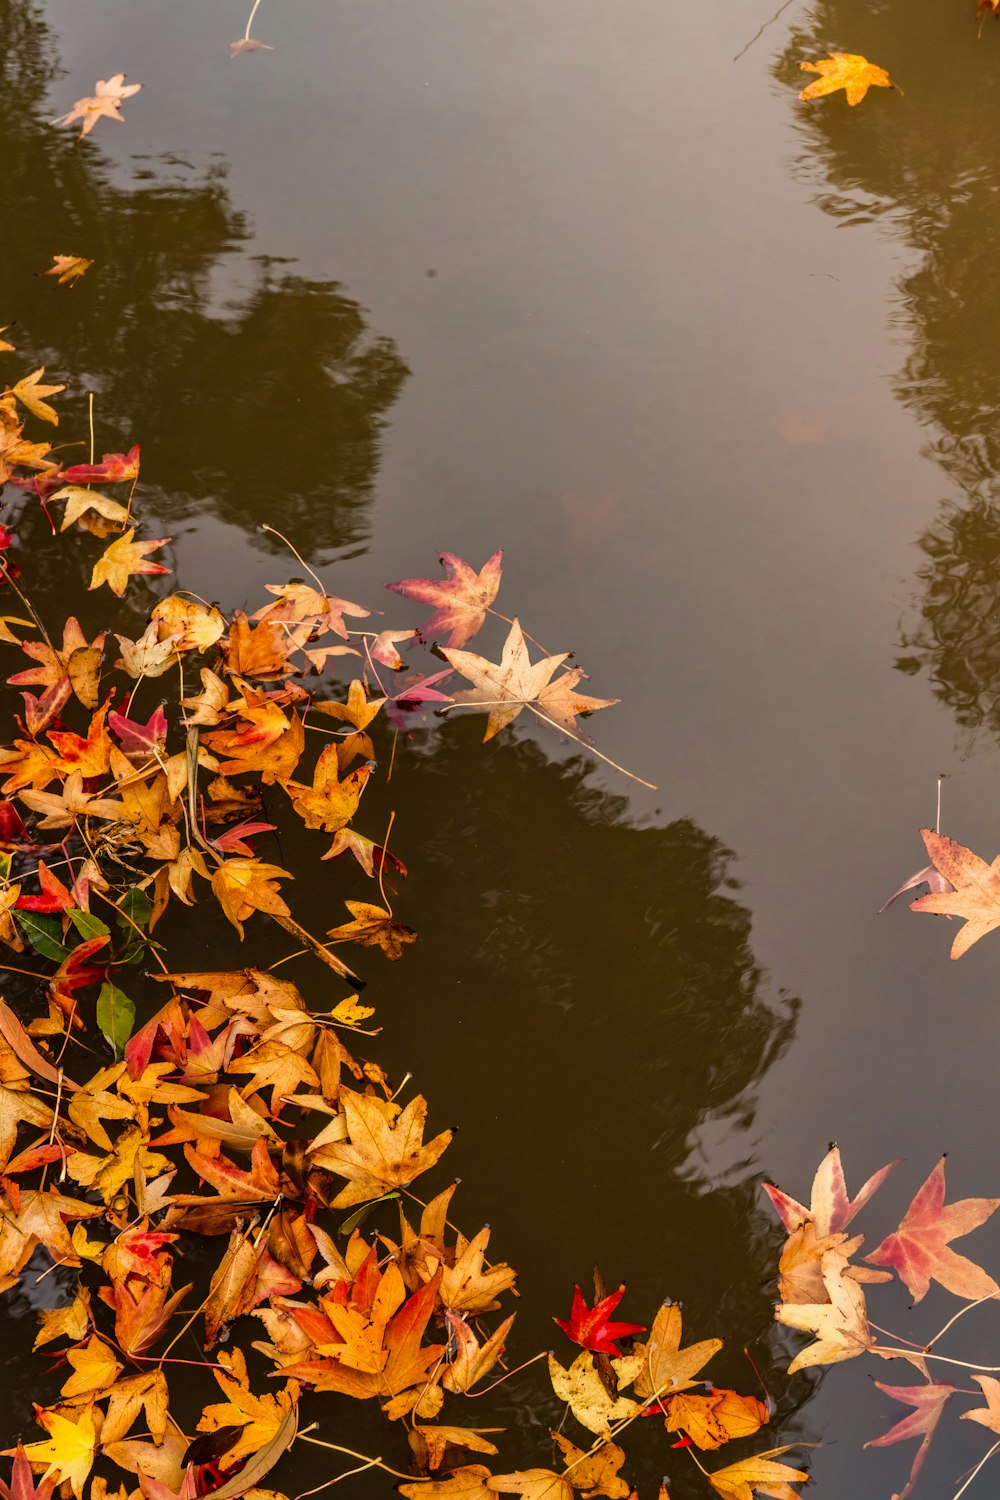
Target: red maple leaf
{"type": "Point", "coordinates": [114, 468]}
{"type": "Point", "coordinates": [918, 1249]}
{"type": "Point", "coordinates": [928, 1402]}
{"type": "Point", "coordinates": [461, 598]}
{"type": "Point", "coordinates": [589, 1326]}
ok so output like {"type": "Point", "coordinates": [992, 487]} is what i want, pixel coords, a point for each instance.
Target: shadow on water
{"type": "Point", "coordinates": [258, 395]}
{"type": "Point", "coordinates": [929, 170]}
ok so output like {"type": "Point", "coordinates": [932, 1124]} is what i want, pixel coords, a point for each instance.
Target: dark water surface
{"type": "Point", "coordinates": [721, 372]}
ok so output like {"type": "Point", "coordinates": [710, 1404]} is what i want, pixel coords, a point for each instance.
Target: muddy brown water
{"type": "Point", "coordinates": [721, 373]}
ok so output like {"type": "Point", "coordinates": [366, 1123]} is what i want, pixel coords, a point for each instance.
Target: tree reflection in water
{"type": "Point", "coordinates": [932, 177]}
{"type": "Point", "coordinates": [264, 404]}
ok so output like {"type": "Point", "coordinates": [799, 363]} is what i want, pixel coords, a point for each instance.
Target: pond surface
{"type": "Point", "coordinates": [720, 372]}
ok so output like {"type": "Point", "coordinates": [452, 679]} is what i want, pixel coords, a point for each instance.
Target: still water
{"type": "Point", "coordinates": [721, 373]}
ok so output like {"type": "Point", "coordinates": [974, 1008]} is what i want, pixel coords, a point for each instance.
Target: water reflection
{"type": "Point", "coordinates": [256, 393]}
{"type": "Point", "coordinates": [925, 165]}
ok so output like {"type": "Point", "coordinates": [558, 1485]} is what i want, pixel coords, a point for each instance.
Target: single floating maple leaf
{"type": "Point", "coordinates": [589, 1326]}
{"type": "Point", "coordinates": [68, 268]}
{"type": "Point", "coordinates": [122, 559]}
{"type": "Point", "coordinates": [461, 598]}
{"type": "Point", "coordinates": [928, 1402]}
{"type": "Point", "coordinates": [918, 1250]}
{"type": "Point", "coordinates": [848, 71]}
{"type": "Point", "coordinates": [103, 103]}
{"type": "Point", "coordinates": [974, 893]}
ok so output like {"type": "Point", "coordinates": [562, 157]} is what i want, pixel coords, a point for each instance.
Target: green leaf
{"type": "Point", "coordinates": [358, 1217]}
{"type": "Point", "coordinates": [6, 860]}
{"type": "Point", "coordinates": [88, 926]}
{"type": "Point", "coordinates": [43, 933]}
{"type": "Point", "coordinates": [134, 907]}
{"type": "Point", "coordinates": [115, 1016]}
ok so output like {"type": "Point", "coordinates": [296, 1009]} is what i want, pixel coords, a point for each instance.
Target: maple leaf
{"type": "Point", "coordinates": [146, 1393]}
{"type": "Point", "coordinates": [590, 1328]}
{"type": "Point", "coordinates": [470, 1360]}
{"type": "Point", "coordinates": [114, 468]}
{"type": "Point", "coordinates": [582, 1388]}
{"type": "Point", "coordinates": [103, 103]}
{"type": "Point", "coordinates": [928, 1402]}
{"type": "Point", "coordinates": [593, 1473]}
{"type": "Point", "coordinates": [329, 803]}
{"type": "Point", "coordinates": [150, 655]}
{"type": "Point", "coordinates": [22, 1485]}
{"type": "Point", "coordinates": [44, 1216]}
{"type": "Point", "coordinates": [988, 1415]}
{"type": "Point", "coordinates": [847, 71]}
{"type": "Point", "coordinates": [514, 683]}
{"type": "Point", "coordinates": [79, 500]}
{"type": "Point", "coordinates": [461, 598]}
{"type": "Point", "coordinates": [94, 1369]}
{"type": "Point", "coordinates": [830, 1208]}
{"type": "Point", "coordinates": [758, 1475]}
{"type": "Point", "coordinates": [918, 1249]}
{"type": "Point", "coordinates": [243, 886]}
{"type": "Point", "coordinates": [31, 393]}
{"type": "Point", "coordinates": [372, 926]}
{"type": "Point", "coordinates": [465, 1483]}
{"type": "Point", "coordinates": [710, 1421]}
{"type": "Point", "coordinates": [260, 1417]}
{"type": "Point", "coordinates": [124, 558]}
{"type": "Point", "coordinates": [533, 1484]}
{"type": "Point", "coordinates": [665, 1366]}
{"type": "Point", "coordinates": [378, 1154]}
{"type": "Point", "coordinates": [70, 1449]}
{"type": "Point", "coordinates": [198, 625]}
{"type": "Point", "coordinates": [68, 268]}
{"type": "Point", "coordinates": [974, 895]}
{"type": "Point", "coordinates": [840, 1325]}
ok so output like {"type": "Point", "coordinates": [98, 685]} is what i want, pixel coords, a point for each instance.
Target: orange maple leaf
{"type": "Point", "coordinates": [848, 71]}
{"type": "Point", "coordinates": [373, 927]}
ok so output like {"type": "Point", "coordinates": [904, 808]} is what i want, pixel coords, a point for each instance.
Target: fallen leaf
{"type": "Point", "coordinates": [103, 103]}
{"type": "Point", "coordinates": [840, 1325]}
{"type": "Point", "coordinates": [593, 1474]}
{"type": "Point", "coordinates": [847, 71]}
{"type": "Point", "coordinates": [830, 1208]}
{"type": "Point", "coordinates": [582, 1388]}
{"type": "Point", "coordinates": [974, 893]}
{"type": "Point", "coordinates": [373, 927]}
{"type": "Point", "coordinates": [928, 1402]}
{"type": "Point", "coordinates": [533, 1484]}
{"type": "Point", "coordinates": [712, 1420]}
{"type": "Point", "coordinates": [68, 268]}
{"type": "Point", "coordinates": [70, 1449]}
{"type": "Point", "coordinates": [918, 1249]}
{"type": "Point", "coordinates": [379, 1155]}
{"type": "Point", "coordinates": [665, 1366]}
{"type": "Point", "coordinates": [514, 683]}
{"type": "Point", "coordinates": [123, 559]}
{"type": "Point", "coordinates": [31, 393]}
{"type": "Point", "coordinates": [461, 598]}
{"type": "Point", "coordinates": [590, 1328]}
{"type": "Point", "coordinates": [759, 1475]}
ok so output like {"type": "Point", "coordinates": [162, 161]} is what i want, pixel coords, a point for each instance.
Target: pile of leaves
{"type": "Point", "coordinates": [229, 1111]}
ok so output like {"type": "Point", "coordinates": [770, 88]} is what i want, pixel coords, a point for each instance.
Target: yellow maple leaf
{"type": "Point", "coordinates": [259, 1416]}
{"type": "Point", "coordinates": [69, 1451]}
{"type": "Point", "coordinates": [373, 927]}
{"type": "Point", "coordinates": [31, 393]}
{"type": "Point", "coordinates": [848, 71]}
{"type": "Point", "coordinates": [243, 886]}
{"type": "Point", "coordinates": [759, 1475]}
{"type": "Point", "coordinates": [122, 559]}
{"type": "Point", "coordinates": [379, 1155]}
{"type": "Point", "coordinates": [68, 268]}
